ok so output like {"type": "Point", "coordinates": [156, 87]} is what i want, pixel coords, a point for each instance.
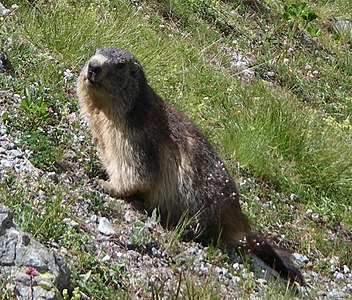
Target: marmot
{"type": "Point", "coordinates": [151, 150]}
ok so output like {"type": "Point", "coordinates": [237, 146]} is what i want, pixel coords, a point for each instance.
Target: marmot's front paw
{"type": "Point", "coordinates": [106, 187]}
{"type": "Point", "coordinates": [99, 186]}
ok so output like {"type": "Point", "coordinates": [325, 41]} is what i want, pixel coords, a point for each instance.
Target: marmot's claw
{"type": "Point", "coordinates": [96, 185]}
{"type": "Point", "coordinates": [105, 187]}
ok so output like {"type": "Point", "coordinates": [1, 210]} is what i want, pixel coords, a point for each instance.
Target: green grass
{"type": "Point", "coordinates": [292, 132]}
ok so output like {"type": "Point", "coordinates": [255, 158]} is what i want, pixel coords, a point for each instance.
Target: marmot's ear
{"type": "Point", "coordinates": [97, 50]}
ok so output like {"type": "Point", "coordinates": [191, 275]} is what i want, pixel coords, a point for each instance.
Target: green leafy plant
{"type": "Point", "coordinates": [35, 109]}
{"type": "Point", "coordinates": [75, 294]}
{"type": "Point", "coordinates": [300, 14]}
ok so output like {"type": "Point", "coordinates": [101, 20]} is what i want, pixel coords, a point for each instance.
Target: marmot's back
{"type": "Point", "coordinates": [152, 151]}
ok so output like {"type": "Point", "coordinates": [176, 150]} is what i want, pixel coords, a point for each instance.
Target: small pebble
{"type": "Point", "coordinates": [54, 245]}
{"type": "Point", "coordinates": [309, 212]}
{"type": "Point", "coordinates": [10, 146]}
{"type": "Point", "coordinates": [70, 222]}
{"type": "Point", "coordinates": [193, 250]}
{"type": "Point", "coordinates": [204, 269]}
{"type": "Point", "coordinates": [245, 275]}
{"type": "Point", "coordinates": [314, 274]}
{"type": "Point", "coordinates": [346, 269]}
{"type": "Point", "coordinates": [106, 258]}
{"type": "Point", "coordinates": [335, 294]}
{"type": "Point", "coordinates": [315, 217]}
{"type": "Point", "coordinates": [2, 131]}
{"type": "Point", "coordinates": [105, 227]}
{"type": "Point", "coordinates": [15, 153]}
{"type": "Point", "coordinates": [262, 281]}
{"type": "Point", "coordinates": [339, 276]}
{"type": "Point", "coordinates": [293, 197]}
{"type": "Point", "coordinates": [156, 252]}
{"type": "Point", "coordinates": [302, 259]}
{"type": "Point", "coordinates": [236, 266]}
{"type": "Point", "coordinates": [271, 74]}
{"type": "Point", "coordinates": [5, 163]}
{"type": "Point", "coordinates": [19, 167]}
{"type": "Point", "coordinates": [236, 279]}
{"type": "Point", "coordinates": [53, 176]}
{"type": "Point", "coordinates": [128, 216]}
{"type": "Point", "coordinates": [94, 219]}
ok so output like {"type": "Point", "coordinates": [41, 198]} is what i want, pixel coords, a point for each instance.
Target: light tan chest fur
{"type": "Point", "coordinates": [116, 153]}
{"type": "Point", "coordinates": [170, 190]}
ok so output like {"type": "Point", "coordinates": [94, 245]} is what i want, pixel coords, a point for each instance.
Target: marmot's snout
{"type": "Point", "coordinates": [94, 69]}
{"type": "Point", "coordinates": [93, 72]}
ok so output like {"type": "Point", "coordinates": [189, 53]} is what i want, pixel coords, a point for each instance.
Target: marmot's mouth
{"type": "Point", "coordinates": [90, 81]}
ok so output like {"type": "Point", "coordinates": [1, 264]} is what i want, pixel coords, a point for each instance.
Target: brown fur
{"type": "Point", "coordinates": [152, 151]}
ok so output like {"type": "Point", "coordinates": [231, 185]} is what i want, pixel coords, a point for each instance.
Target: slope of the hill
{"type": "Point", "coordinates": [268, 82]}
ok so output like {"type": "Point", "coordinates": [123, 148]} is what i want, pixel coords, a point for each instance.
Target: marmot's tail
{"type": "Point", "coordinates": [279, 260]}
{"type": "Point", "coordinates": [237, 232]}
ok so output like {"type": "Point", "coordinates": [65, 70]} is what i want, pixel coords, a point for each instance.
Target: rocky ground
{"type": "Point", "coordinates": [143, 257]}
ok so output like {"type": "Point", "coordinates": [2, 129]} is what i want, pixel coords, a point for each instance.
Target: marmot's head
{"type": "Point", "coordinates": [114, 75]}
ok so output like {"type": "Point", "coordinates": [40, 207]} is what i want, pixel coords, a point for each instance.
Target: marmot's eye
{"type": "Point", "coordinates": [120, 66]}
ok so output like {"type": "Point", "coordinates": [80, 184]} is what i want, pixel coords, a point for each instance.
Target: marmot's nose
{"type": "Point", "coordinates": [94, 69]}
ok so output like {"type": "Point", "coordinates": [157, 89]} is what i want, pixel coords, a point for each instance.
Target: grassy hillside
{"type": "Point", "coordinates": [268, 82]}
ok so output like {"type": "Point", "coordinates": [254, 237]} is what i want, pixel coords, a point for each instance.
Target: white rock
{"type": "Point", "coordinates": [236, 266]}
{"type": "Point", "coordinates": [5, 163]}
{"type": "Point", "coordinates": [5, 12]}
{"type": "Point", "coordinates": [128, 216]}
{"type": "Point", "coordinates": [106, 258]}
{"type": "Point", "coordinates": [256, 198]}
{"type": "Point", "coordinates": [105, 227]}
{"type": "Point", "coordinates": [336, 294]}
{"type": "Point", "coordinates": [339, 276]}
{"type": "Point", "coordinates": [262, 281]}
{"type": "Point", "coordinates": [236, 279]}
{"type": "Point", "coordinates": [218, 270]}
{"type": "Point", "coordinates": [293, 197]}
{"type": "Point", "coordinates": [302, 259]}
{"type": "Point", "coordinates": [314, 274]}
{"type": "Point", "coordinates": [309, 212]}
{"type": "Point", "coordinates": [15, 153]}
{"type": "Point", "coordinates": [93, 219]}
{"type": "Point", "coordinates": [346, 269]}
{"type": "Point", "coordinates": [70, 222]}
{"type": "Point", "coordinates": [204, 269]}
{"type": "Point", "coordinates": [53, 176]}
